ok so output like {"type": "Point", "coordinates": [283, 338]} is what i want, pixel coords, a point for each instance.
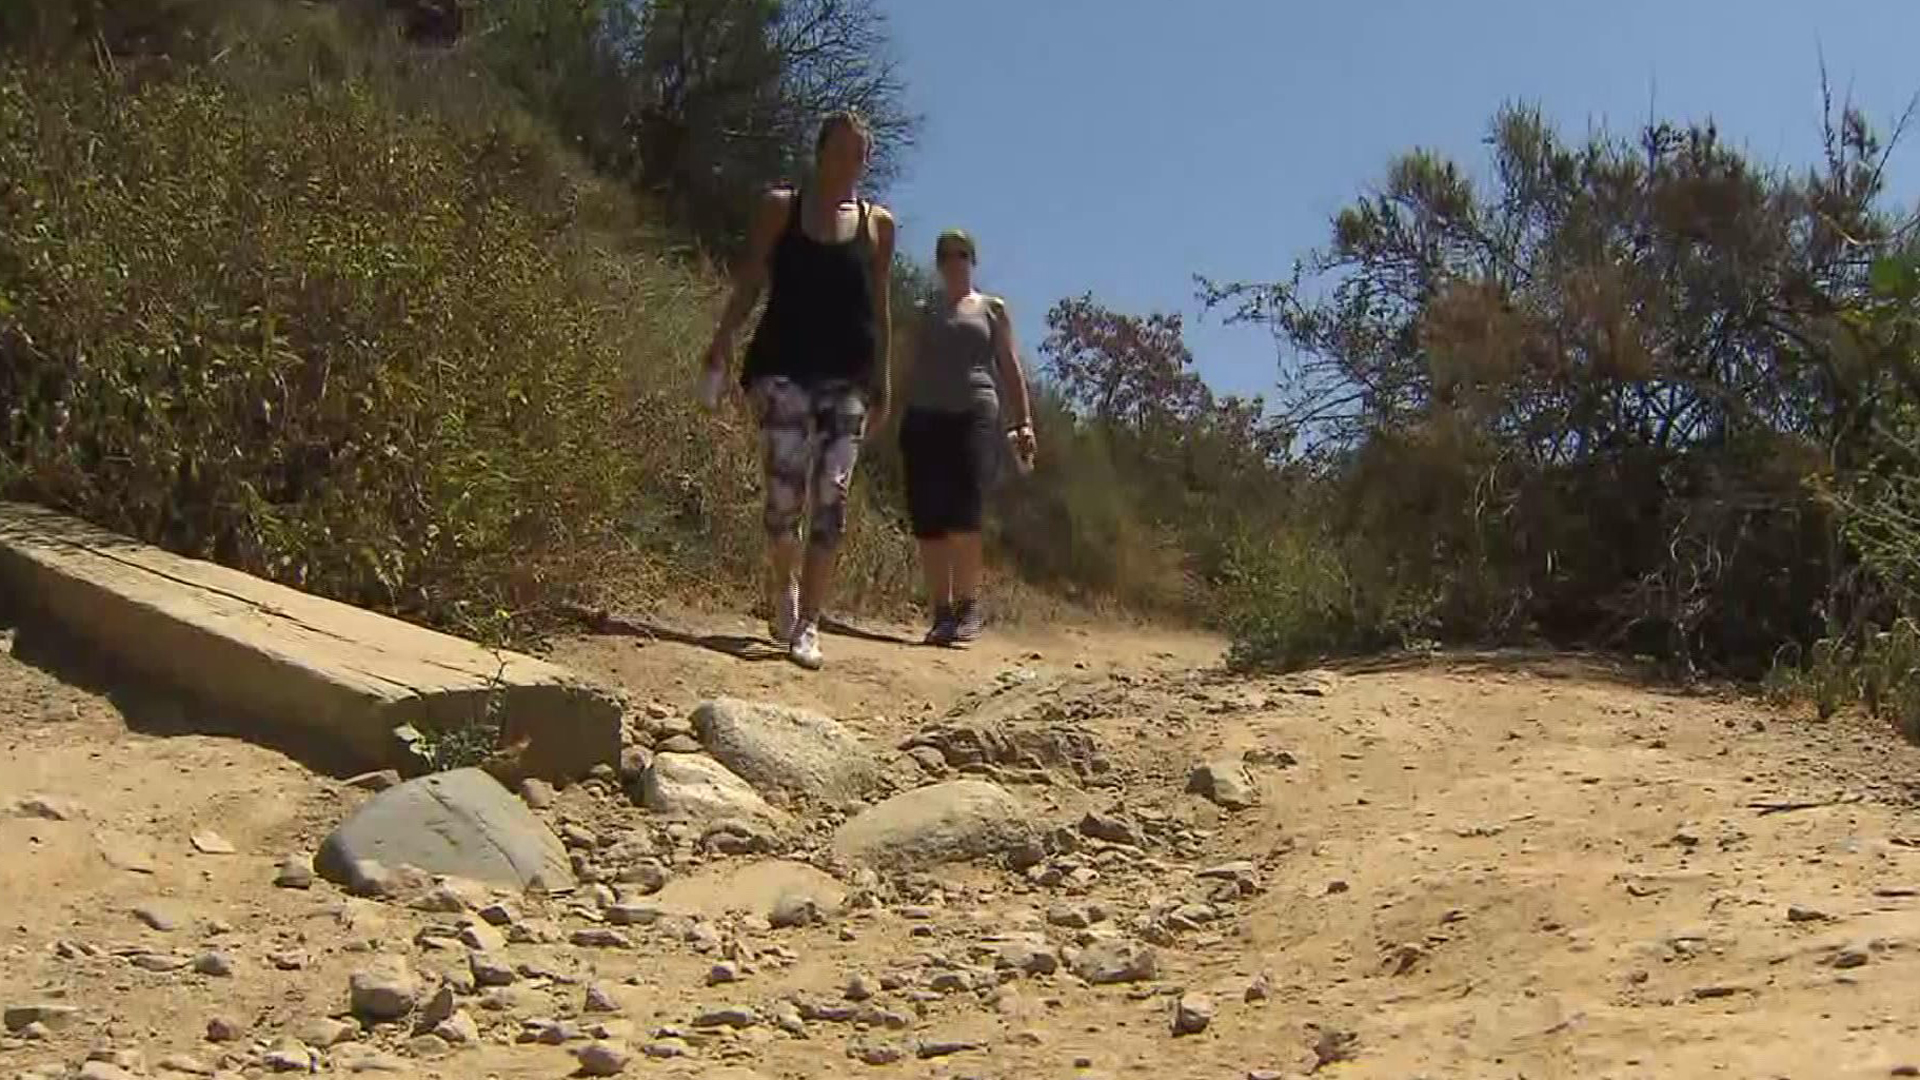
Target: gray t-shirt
{"type": "Point", "coordinates": [953, 365]}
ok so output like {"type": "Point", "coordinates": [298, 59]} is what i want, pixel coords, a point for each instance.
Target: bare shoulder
{"type": "Point", "coordinates": [996, 305]}
{"type": "Point", "coordinates": [883, 223]}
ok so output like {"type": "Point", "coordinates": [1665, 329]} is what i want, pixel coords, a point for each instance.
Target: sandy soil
{"type": "Point", "coordinates": [1469, 867]}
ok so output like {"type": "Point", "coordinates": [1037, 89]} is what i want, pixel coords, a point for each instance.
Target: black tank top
{"type": "Point", "coordinates": [819, 324]}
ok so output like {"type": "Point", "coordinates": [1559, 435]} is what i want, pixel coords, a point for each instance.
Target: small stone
{"type": "Point", "coordinates": [1225, 782]}
{"type": "Point", "coordinates": [442, 899]}
{"type": "Point", "coordinates": [216, 964]}
{"type": "Point", "coordinates": [1073, 917]}
{"type": "Point", "coordinates": [490, 970]}
{"type": "Point", "coordinates": [1260, 989]}
{"type": "Point", "coordinates": [1857, 954]}
{"type": "Point", "coordinates": [288, 960]}
{"type": "Point", "coordinates": [1115, 960]}
{"type": "Point", "coordinates": [1192, 1014]}
{"type": "Point", "coordinates": [460, 1029]}
{"type": "Point", "coordinates": [734, 1017]}
{"type": "Point", "coordinates": [223, 1029]}
{"type": "Point", "coordinates": [53, 1017]}
{"type": "Point", "coordinates": [634, 761]}
{"type": "Point", "coordinates": [666, 1049]}
{"type": "Point", "coordinates": [723, 973]}
{"type": "Point", "coordinates": [794, 909]}
{"type": "Point", "coordinates": [157, 917]}
{"type": "Point", "coordinates": [632, 913]}
{"type": "Point", "coordinates": [159, 963]}
{"type": "Point", "coordinates": [859, 988]}
{"type": "Point", "coordinates": [212, 843]}
{"type": "Point", "coordinates": [383, 990]}
{"type": "Point", "coordinates": [647, 876]}
{"type": "Point", "coordinates": [378, 780]}
{"type": "Point", "coordinates": [1112, 828]}
{"type": "Point", "coordinates": [679, 743]}
{"type": "Point", "coordinates": [288, 1057]}
{"type": "Point", "coordinates": [324, 1032]}
{"type": "Point", "coordinates": [296, 872]}
{"type": "Point", "coordinates": [537, 793]}
{"type": "Point", "coordinates": [875, 1054]}
{"type": "Point", "coordinates": [45, 807]}
{"type": "Point", "coordinates": [185, 1063]}
{"type": "Point", "coordinates": [598, 937]}
{"type": "Point", "coordinates": [499, 913]}
{"type": "Point", "coordinates": [481, 937]}
{"type": "Point", "coordinates": [1799, 914]}
{"type": "Point", "coordinates": [939, 1048]}
{"type": "Point", "coordinates": [600, 999]}
{"type": "Point", "coordinates": [602, 1059]}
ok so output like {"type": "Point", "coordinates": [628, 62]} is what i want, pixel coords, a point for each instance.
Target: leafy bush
{"type": "Point", "coordinates": [414, 364]}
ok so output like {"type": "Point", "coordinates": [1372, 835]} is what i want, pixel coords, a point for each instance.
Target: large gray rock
{"type": "Point", "coordinates": [461, 823]}
{"type": "Point", "coordinates": [950, 822]}
{"type": "Point", "coordinates": [786, 753]}
{"type": "Point", "coordinates": [697, 787]}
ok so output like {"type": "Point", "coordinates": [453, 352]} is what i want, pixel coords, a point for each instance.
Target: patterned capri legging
{"type": "Point", "coordinates": [809, 441]}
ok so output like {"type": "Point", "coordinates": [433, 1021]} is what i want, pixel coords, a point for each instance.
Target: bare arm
{"type": "Point", "coordinates": [750, 277]}
{"type": "Point", "coordinates": [883, 240]}
{"type": "Point", "coordinates": [1013, 380]}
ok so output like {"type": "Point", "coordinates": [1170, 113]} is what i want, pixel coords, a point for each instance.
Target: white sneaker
{"type": "Point", "coordinates": [786, 613]}
{"type": "Point", "coordinates": [805, 649]}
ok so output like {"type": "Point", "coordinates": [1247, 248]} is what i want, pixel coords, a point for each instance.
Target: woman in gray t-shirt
{"type": "Point", "coordinates": [963, 361]}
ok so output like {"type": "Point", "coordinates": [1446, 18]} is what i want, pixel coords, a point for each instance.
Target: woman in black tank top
{"type": "Point", "coordinates": [817, 371]}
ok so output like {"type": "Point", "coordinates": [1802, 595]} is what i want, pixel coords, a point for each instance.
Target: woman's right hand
{"type": "Point", "coordinates": [1025, 446]}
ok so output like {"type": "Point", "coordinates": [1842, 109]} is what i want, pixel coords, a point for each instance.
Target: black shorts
{"type": "Point", "coordinates": [949, 458]}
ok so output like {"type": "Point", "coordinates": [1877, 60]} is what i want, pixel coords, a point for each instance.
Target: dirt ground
{"type": "Point", "coordinates": [1499, 867]}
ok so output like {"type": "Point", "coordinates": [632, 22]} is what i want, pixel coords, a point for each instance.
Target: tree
{"type": "Point", "coordinates": [1585, 399]}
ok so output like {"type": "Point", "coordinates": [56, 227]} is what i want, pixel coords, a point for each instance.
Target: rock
{"type": "Point", "coordinates": [794, 909]}
{"type": "Point", "coordinates": [603, 1059]}
{"type": "Point", "coordinates": [490, 970]}
{"type": "Point", "coordinates": [1799, 914]}
{"type": "Point", "coordinates": [54, 1017]}
{"type": "Point", "coordinates": [722, 973]}
{"type": "Point", "coordinates": [875, 1053]}
{"type": "Point", "coordinates": [1073, 916]}
{"type": "Point", "coordinates": [754, 888]}
{"type": "Point", "coordinates": [1259, 989]}
{"type": "Point", "coordinates": [324, 1032]}
{"type": "Point", "coordinates": [288, 1056]}
{"type": "Point", "coordinates": [948, 822]}
{"type": "Point", "coordinates": [216, 964]}
{"type": "Point", "coordinates": [1191, 1014]}
{"type": "Point", "coordinates": [599, 937]}
{"type": "Point", "coordinates": [44, 807]}
{"type": "Point", "coordinates": [355, 1058]}
{"type": "Point", "coordinates": [383, 990]}
{"type": "Point", "coordinates": [428, 1045]}
{"type": "Point", "coordinates": [461, 824]}
{"type": "Point", "coordinates": [859, 988]}
{"type": "Point", "coordinates": [1115, 960]}
{"type": "Point", "coordinates": [600, 999]}
{"type": "Point", "coordinates": [158, 917]}
{"type": "Point", "coordinates": [787, 753]}
{"type": "Point", "coordinates": [634, 762]}
{"type": "Point", "coordinates": [1029, 954]}
{"type": "Point", "coordinates": [159, 962]}
{"type": "Point", "coordinates": [443, 899]}
{"type": "Point", "coordinates": [460, 1029]}
{"type": "Point", "coordinates": [1225, 782]}
{"type": "Point", "coordinates": [700, 788]}
{"type": "Point", "coordinates": [1112, 828]}
{"type": "Point", "coordinates": [1852, 955]}
{"type": "Point", "coordinates": [185, 1063]}
{"type": "Point", "coordinates": [666, 1049]}
{"type": "Point", "coordinates": [212, 843]}
{"type": "Point", "coordinates": [929, 1049]}
{"type": "Point", "coordinates": [537, 793]}
{"type": "Point", "coordinates": [103, 1070]}
{"type": "Point", "coordinates": [296, 872]}
{"type": "Point", "coordinates": [499, 913]}
{"type": "Point", "coordinates": [378, 780]}
{"type": "Point", "coordinates": [733, 1017]}
{"type": "Point", "coordinates": [223, 1029]}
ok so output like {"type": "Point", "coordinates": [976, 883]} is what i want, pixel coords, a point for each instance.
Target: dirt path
{"type": "Point", "coordinates": [1471, 869]}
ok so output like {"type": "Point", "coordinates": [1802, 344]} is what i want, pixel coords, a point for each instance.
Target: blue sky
{"type": "Point", "coordinates": [1122, 146]}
